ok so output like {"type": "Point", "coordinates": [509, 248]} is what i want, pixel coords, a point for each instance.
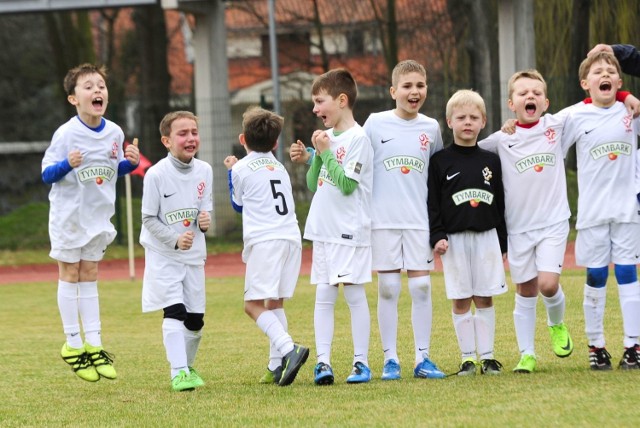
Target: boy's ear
{"type": "Point", "coordinates": [584, 84]}
{"type": "Point", "coordinates": [343, 99]}
{"type": "Point", "coordinates": [392, 92]}
{"type": "Point", "coordinates": [242, 140]}
{"type": "Point", "coordinates": [72, 100]}
{"type": "Point", "coordinates": [165, 141]}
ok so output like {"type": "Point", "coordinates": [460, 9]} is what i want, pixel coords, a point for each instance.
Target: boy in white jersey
{"type": "Point", "coordinates": [608, 221]}
{"type": "Point", "coordinates": [82, 164]}
{"type": "Point", "coordinates": [467, 228]}
{"type": "Point", "coordinates": [176, 201]}
{"type": "Point", "coordinates": [261, 190]}
{"type": "Point", "coordinates": [403, 140]}
{"type": "Point", "coordinates": [338, 223]}
{"type": "Point", "coordinates": [537, 219]}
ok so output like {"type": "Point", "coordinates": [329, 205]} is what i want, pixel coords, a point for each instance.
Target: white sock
{"type": "Point", "coordinates": [356, 298]}
{"type": "Point", "coordinates": [555, 307]}
{"type": "Point", "coordinates": [323, 320]}
{"type": "Point", "coordinates": [593, 305]}
{"type": "Point", "coordinates": [630, 306]}
{"type": "Point", "coordinates": [466, 334]}
{"type": "Point", "coordinates": [485, 323]}
{"type": "Point", "coordinates": [191, 344]}
{"type": "Point", "coordinates": [173, 339]}
{"type": "Point", "coordinates": [270, 325]}
{"type": "Point", "coordinates": [421, 314]}
{"type": "Point", "coordinates": [89, 307]}
{"type": "Point", "coordinates": [524, 319]}
{"type": "Point", "coordinates": [389, 286]}
{"type": "Point", "coordinates": [275, 357]}
{"type": "Point", "coordinates": [68, 307]}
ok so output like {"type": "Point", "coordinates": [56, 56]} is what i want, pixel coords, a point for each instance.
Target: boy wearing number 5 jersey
{"type": "Point", "coordinates": [261, 190]}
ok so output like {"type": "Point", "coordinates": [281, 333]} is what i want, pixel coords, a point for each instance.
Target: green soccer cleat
{"type": "Point", "coordinates": [272, 376]}
{"type": "Point", "coordinates": [101, 360]}
{"type": "Point", "coordinates": [183, 382]}
{"type": "Point", "coordinates": [79, 362]}
{"type": "Point", "coordinates": [468, 367]}
{"type": "Point", "coordinates": [527, 364]}
{"type": "Point", "coordinates": [195, 377]}
{"type": "Point", "coordinates": [561, 340]}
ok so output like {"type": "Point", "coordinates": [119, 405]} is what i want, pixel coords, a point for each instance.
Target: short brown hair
{"type": "Point", "coordinates": [169, 118]}
{"type": "Point", "coordinates": [406, 67]}
{"type": "Point", "coordinates": [261, 129]}
{"type": "Point", "coordinates": [71, 79]}
{"type": "Point", "coordinates": [607, 57]}
{"type": "Point", "coordinates": [335, 82]}
{"type": "Point", "coordinates": [526, 74]}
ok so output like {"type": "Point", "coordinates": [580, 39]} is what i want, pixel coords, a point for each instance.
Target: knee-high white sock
{"type": "Point", "coordinates": [421, 314]}
{"type": "Point", "coordinates": [593, 305]}
{"type": "Point", "coordinates": [389, 286]}
{"type": "Point", "coordinates": [465, 332]}
{"type": "Point", "coordinates": [173, 339]}
{"type": "Point", "coordinates": [191, 344]}
{"type": "Point", "coordinates": [555, 306]}
{"type": "Point", "coordinates": [89, 307]}
{"type": "Point", "coordinates": [630, 306]}
{"type": "Point", "coordinates": [524, 319]}
{"type": "Point", "coordinates": [275, 357]}
{"type": "Point", "coordinates": [485, 323]}
{"type": "Point", "coordinates": [270, 325]}
{"type": "Point", "coordinates": [68, 307]}
{"type": "Point", "coordinates": [356, 298]}
{"type": "Point", "coordinates": [323, 320]}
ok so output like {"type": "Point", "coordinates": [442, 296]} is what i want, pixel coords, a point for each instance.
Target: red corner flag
{"type": "Point", "coordinates": [142, 166]}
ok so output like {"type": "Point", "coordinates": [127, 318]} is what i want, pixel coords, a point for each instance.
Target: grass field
{"type": "Point", "coordinates": [38, 389]}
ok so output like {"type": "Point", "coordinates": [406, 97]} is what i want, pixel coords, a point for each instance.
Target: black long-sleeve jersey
{"type": "Point", "coordinates": [465, 193]}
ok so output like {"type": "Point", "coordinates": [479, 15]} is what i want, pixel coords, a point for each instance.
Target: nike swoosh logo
{"type": "Point", "coordinates": [511, 145]}
{"type": "Point", "coordinates": [429, 261]}
{"type": "Point", "coordinates": [343, 275]}
{"type": "Point", "coordinates": [167, 196]}
{"type": "Point", "coordinates": [422, 349]}
{"type": "Point", "coordinates": [449, 177]}
{"type": "Point", "coordinates": [586, 132]}
{"type": "Point", "coordinates": [568, 346]}
{"type": "Point", "coordinates": [386, 141]}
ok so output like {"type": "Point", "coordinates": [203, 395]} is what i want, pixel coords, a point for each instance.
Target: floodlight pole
{"type": "Point", "coordinates": [275, 73]}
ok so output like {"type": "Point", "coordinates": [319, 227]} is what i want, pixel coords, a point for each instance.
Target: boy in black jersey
{"type": "Point", "coordinates": [467, 229]}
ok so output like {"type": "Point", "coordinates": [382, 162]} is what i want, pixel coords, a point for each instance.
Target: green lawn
{"type": "Point", "coordinates": [38, 389]}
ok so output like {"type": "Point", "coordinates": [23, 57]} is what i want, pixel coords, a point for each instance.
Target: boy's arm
{"type": "Point", "coordinates": [229, 162]}
{"type": "Point", "coordinates": [160, 231]}
{"type": "Point", "coordinates": [132, 159]}
{"type": "Point", "coordinates": [313, 173]}
{"type": "Point", "coordinates": [56, 172]}
{"type": "Point", "coordinates": [629, 58]}
{"type": "Point", "coordinates": [336, 172]}
{"type": "Point", "coordinates": [436, 228]}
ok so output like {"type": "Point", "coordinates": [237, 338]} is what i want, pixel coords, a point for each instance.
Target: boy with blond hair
{"type": "Point", "coordinates": [339, 222]}
{"type": "Point", "coordinates": [537, 220]}
{"type": "Point", "coordinates": [467, 229]}
{"type": "Point", "coordinates": [260, 189]}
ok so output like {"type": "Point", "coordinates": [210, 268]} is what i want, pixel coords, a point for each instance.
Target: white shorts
{"type": "Point", "coordinates": [92, 251]}
{"type": "Point", "coordinates": [407, 249]}
{"type": "Point", "coordinates": [272, 269]}
{"type": "Point", "coordinates": [540, 250]}
{"type": "Point", "coordinates": [473, 265]}
{"type": "Point", "coordinates": [335, 263]}
{"type": "Point", "coordinates": [168, 282]}
{"type": "Point", "coordinates": [608, 243]}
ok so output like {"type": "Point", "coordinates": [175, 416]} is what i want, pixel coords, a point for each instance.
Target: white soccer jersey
{"type": "Point", "coordinates": [83, 201]}
{"type": "Point", "coordinates": [606, 148]}
{"type": "Point", "coordinates": [176, 199]}
{"type": "Point", "coordinates": [261, 185]}
{"type": "Point", "coordinates": [533, 173]}
{"type": "Point", "coordinates": [401, 152]}
{"type": "Point", "coordinates": [333, 216]}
